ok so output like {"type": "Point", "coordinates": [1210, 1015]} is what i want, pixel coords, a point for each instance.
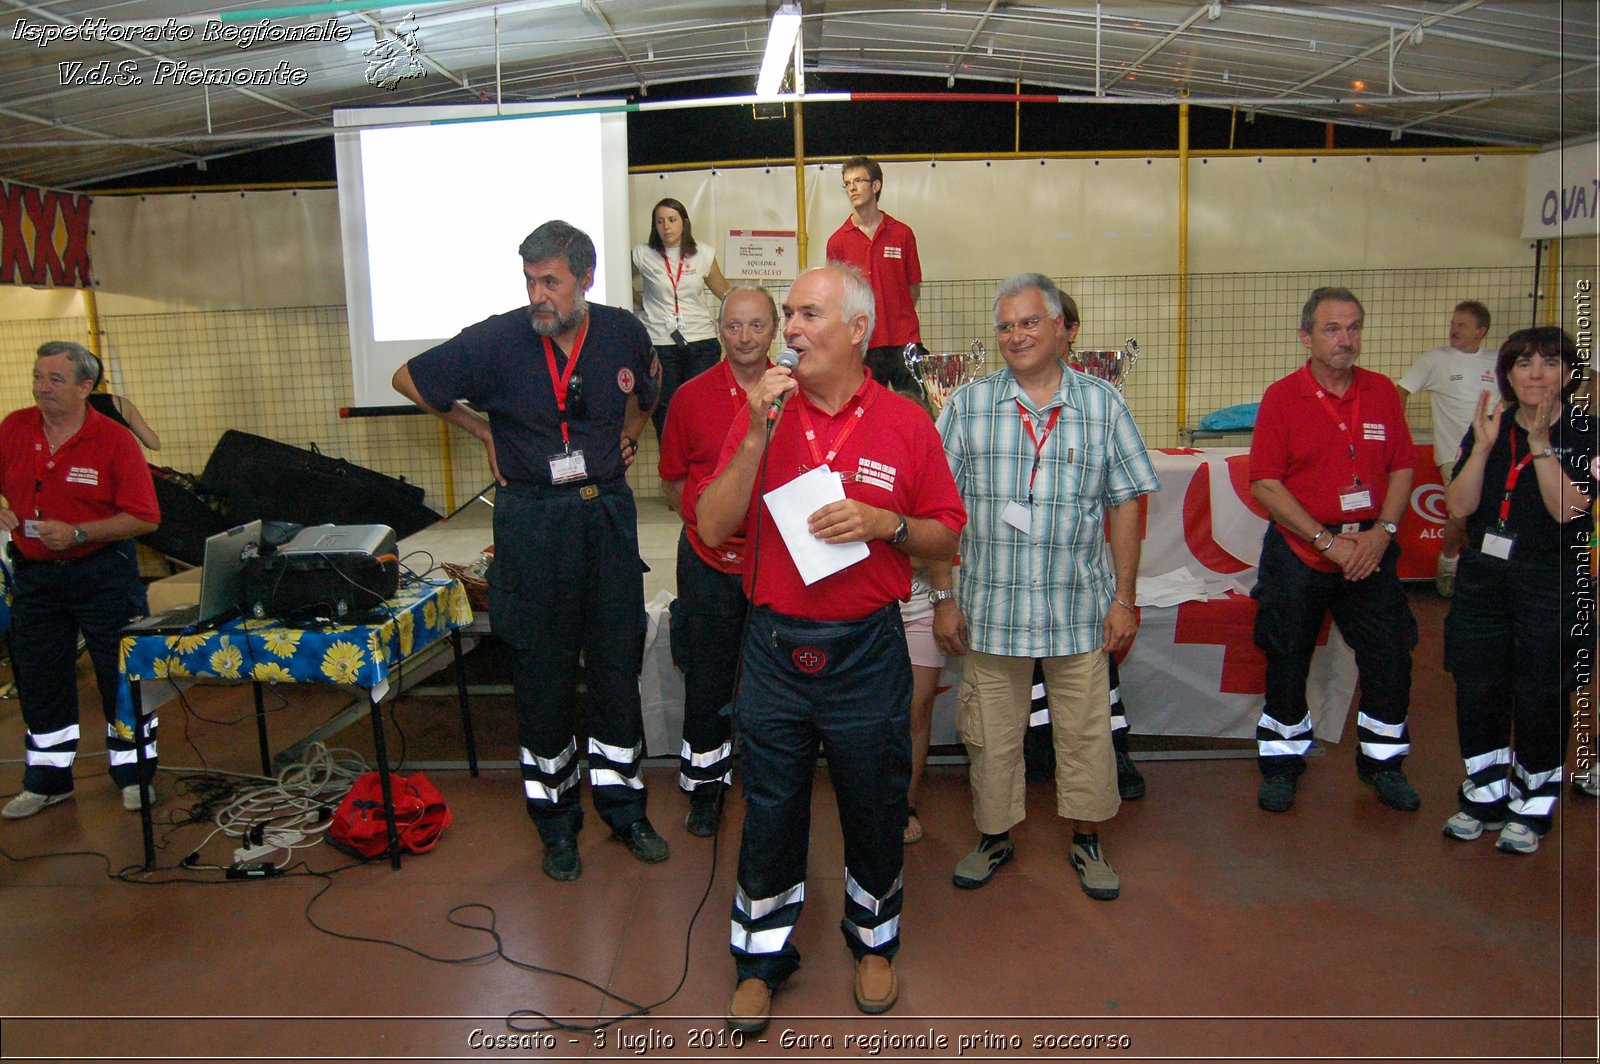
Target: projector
{"type": "Point", "coordinates": [326, 572]}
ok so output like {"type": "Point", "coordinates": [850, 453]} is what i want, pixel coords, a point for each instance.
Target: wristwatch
{"type": "Point", "coordinates": [79, 535]}
{"type": "Point", "coordinates": [900, 533]}
{"type": "Point", "coordinates": [937, 595]}
{"type": "Point", "coordinates": [1389, 527]}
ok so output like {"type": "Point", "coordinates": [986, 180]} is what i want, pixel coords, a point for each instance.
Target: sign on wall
{"type": "Point", "coordinates": [44, 237]}
{"type": "Point", "coordinates": [760, 254]}
{"type": "Point", "coordinates": [1563, 197]}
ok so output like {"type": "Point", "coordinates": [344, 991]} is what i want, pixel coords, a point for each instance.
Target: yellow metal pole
{"type": "Point", "coordinates": [449, 469]}
{"type": "Point", "coordinates": [802, 238]}
{"type": "Point", "coordinates": [1016, 134]}
{"type": "Point", "coordinates": [1553, 302]}
{"type": "Point", "coordinates": [1183, 264]}
{"type": "Point", "coordinates": [91, 310]}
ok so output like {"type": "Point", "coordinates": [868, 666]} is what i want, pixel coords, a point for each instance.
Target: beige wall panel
{"type": "Point", "coordinates": [218, 251]}
{"type": "Point", "coordinates": [21, 303]}
{"type": "Point", "coordinates": [1349, 213]}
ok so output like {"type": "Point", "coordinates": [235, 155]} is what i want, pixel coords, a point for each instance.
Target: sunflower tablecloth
{"type": "Point", "coordinates": [357, 655]}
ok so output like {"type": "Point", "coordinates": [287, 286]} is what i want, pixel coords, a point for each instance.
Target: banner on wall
{"type": "Point", "coordinates": [44, 237]}
{"type": "Point", "coordinates": [1563, 196]}
{"type": "Point", "coordinates": [760, 254]}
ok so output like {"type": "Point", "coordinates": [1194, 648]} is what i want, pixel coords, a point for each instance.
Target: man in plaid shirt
{"type": "Point", "coordinates": [1046, 460]}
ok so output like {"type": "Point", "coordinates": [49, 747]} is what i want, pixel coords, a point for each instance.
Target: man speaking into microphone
{"type": "Point", "coordinates": [825, 661]}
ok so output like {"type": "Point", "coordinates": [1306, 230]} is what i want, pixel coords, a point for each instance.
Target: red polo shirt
{"type": "Point", "coordinates": [889, 262]}
{"type": "Point", "coordinates": [691, 444]}
{"type": "Point", "coordinates": [99, 472]}
{"type": "Point", "coordinates": [1297, 440]}
{"type": "Point", "coordinates": [892, 459]}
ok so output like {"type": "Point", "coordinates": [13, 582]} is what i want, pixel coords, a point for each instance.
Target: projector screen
{"type": "Point", "coordinates": [433, 202]}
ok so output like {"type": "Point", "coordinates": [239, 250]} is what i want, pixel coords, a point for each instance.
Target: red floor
{"type": "Point", "coordinates": [1339, 931]}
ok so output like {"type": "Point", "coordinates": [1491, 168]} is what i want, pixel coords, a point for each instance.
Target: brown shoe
{"type": "Point", "coordinates": [876, 986]}
{"type": "Point", "coordinates": [750, 1008]}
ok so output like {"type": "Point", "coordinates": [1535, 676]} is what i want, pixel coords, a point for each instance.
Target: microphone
{"type": "Point", "coordinates": [788, 358]}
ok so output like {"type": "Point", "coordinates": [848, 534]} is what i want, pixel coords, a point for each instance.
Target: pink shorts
{"type": "Point", "coordinates": [919, 642]}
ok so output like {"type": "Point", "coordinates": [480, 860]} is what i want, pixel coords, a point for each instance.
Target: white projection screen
{"type": "Point", "coordinates": [433, 202]}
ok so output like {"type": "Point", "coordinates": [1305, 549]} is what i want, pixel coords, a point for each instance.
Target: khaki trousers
{"type": "Point", "coordinates": [992, 718]}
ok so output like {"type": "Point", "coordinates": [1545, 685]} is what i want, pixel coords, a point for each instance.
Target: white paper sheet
{"type": "Point", "coordinates": [792, 506]}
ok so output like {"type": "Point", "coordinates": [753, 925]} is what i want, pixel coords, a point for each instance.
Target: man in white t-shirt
{"type": "Point", "coordinates": [1454, 376]}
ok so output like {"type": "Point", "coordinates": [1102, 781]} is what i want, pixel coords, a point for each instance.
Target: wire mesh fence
{"type": "Point", "coordinates": [286, 374]}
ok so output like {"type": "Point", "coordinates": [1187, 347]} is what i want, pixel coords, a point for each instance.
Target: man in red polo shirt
{"type": "Point", "coordinates": [1331, 460]}
{"type": "Point", "coordinates": [77, 491]}
{"type": "Point", "coordinates": [708, 614]}
{"type": "Point", "coordinates": [826, 662]}
{"type": "Point", "coordinates": [884, 249]}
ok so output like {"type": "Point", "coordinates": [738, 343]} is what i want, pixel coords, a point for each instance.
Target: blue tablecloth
{"type": "Point", "coordinates": [357, 655]}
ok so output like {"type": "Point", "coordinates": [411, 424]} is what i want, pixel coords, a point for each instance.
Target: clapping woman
{"type": "Point", "coordinates": [1524, 481]}
{"type": "Point", "coordinates": [676, 272]}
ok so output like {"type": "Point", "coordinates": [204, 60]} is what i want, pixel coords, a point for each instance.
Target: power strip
{"type": "Point", "coordinates": [271, 843]}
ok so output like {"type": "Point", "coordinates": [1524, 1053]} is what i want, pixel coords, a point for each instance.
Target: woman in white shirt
{"type": "Point", "coordinates": [676, 273]}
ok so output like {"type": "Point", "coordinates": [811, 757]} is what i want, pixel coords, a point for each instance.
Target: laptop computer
{"type": "Point", "coordinates": [221, 585]}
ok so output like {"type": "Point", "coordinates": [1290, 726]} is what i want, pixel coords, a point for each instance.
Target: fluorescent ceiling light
{"type": "Point", "coordinates": [780, 48]}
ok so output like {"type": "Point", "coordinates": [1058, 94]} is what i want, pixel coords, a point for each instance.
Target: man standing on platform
{"type": "Point", "coordinates": [708, 614]}
{"type": "Point", "coordinates": [826, 662]}
{"type": "Point", "coordinates": [77, 492]}
{"type": "Point", "coordinates": [884, 249]}
{"type": "Point", "coordinates": [1331, 460]}
{"type": "Point", "coordinates": [568, 387]}
{"type": "Point", "coordinates": [1454, 376]}
{"type": "Point", "coordinates": [1048, 462]}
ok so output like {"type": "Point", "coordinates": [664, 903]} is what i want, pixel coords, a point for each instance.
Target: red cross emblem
{"type": "Point", "coordinates": [809, 659]}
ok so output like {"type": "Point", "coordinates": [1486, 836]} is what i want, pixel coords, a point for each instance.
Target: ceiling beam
{"type": "Point", "coordinates": [1194, 16]}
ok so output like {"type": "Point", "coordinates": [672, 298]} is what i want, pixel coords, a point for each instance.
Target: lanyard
{"type": "Point", "coordinates": [1346, 427]}
{"type": "Point", "coordinates": [863, 402]}
{"type": "Point", "coordinates": [1511, 478]}
{"type": "Point", "coordinates": [558, 382]}
{"type": "Point", "coordinates": [1038, 441]}
{"type": "Point", "coordinates": [667, 263]}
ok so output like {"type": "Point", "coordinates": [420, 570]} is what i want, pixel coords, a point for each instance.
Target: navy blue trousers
{"type": "Point", "coordinates": [52, 603]}
{"type": "Point", "coordinates": [679, 365]}
{"type": "Point", "coordinates": [845, 686]}
{"type": "Point", "coordinates": [567, 583]}
{"type": "Point", "coordinates": [1509, 643]}
{"type": "Point", "coordinates": [1292, 599]}
{"type": "Point", "coordinates": [707, 621]}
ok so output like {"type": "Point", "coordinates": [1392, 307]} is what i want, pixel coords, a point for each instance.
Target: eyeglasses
{"type": "Point", "coordinates": [852, 182]}
{"type": "Point", "coordinates": [1027, 325]}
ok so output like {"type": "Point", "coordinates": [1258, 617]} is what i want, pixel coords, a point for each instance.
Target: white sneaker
{"type": "Point", "coordinates": [1517, 838]}
{"type": "Point", "coordinates": [1588, 782]}
{"type": "Point", "coordinates": [1466, 827]}
{"type": "Point", "coordinates": [27, 803]}
{"type": "Point", "coordinates": [130, 797]}
{"type": "Point", "coordinates": [1444, 580]}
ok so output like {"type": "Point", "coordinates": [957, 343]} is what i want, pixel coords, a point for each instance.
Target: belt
{"type": "Point", "coordinates": [22, 561]}
{"type": "Point", "coordinates": [585, 490]}
{"type": "Point", "coordinates": [1339, 529]}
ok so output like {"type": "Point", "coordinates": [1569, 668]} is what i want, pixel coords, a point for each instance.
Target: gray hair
{"type": "Point", "coordinates": [84, 360]}
{"type": "Point", "coordinates": [772, 304]}
{"type": "Point", "coordinates": [1018, 283]}
{"type": "Point", "coordinates": [859, 300]}
{"type": "Point", "coordinates": [560, 240]}
{"type": "Point", "coordinates": [1308, 313]}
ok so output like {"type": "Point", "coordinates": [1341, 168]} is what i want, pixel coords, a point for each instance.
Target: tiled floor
{"type": "Point", "coordinates": [1341, 930]}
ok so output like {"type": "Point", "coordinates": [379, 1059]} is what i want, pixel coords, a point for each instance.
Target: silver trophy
{"type": "Point", "coordinates": [941, 374]}
{"type": "Point", "coordinates": [1110, 365]}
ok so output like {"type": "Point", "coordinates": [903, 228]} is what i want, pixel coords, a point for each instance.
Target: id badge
{"type": "Point", "coordinates": [1498, 544]}
{"type": "Point", "coordinates": [1018, 515]}
{"type": "Point", "coordinates": [30, 529]}
{"type": "Point", "coordinates": [567, 467]}
{"type": "Point", "coordinates": [1355, 498]}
